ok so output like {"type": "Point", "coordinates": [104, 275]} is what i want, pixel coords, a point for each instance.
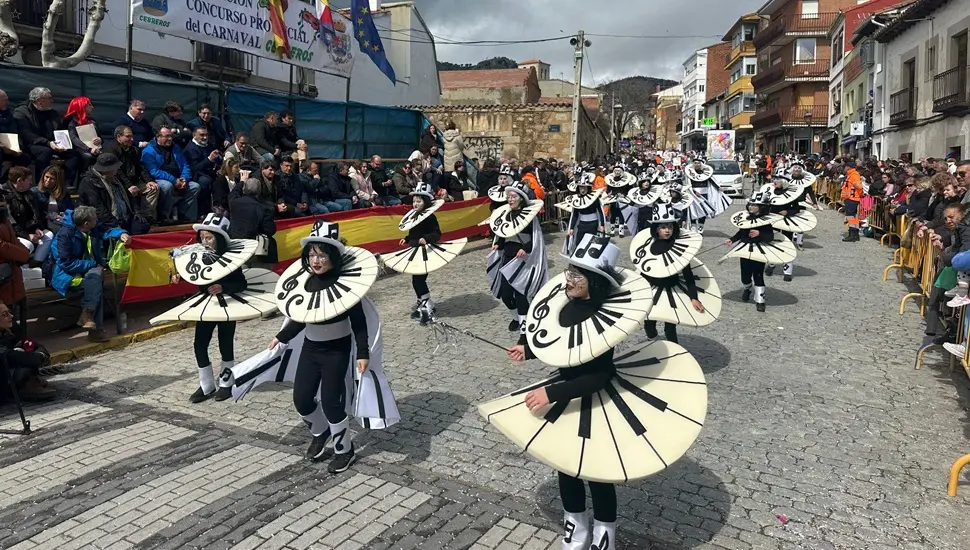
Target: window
{"type": "Point", "coordinates": [804, 50]}
{"type": "Point", "coordinates": [930, 62]}
{"type": "Point", "coordinates": [700, 88]}
{"type": "Point", "coordinates": [809, 9]}
{"type": "Point", "coordinates": [749, 33]}
{"type": "Point", "coordinates": [750, 66]}
{"type": "Point", "coordinates": [749, 102]}
{"type": "Point", "coordinates": [838, 48]}
{"type": "Point", "coordinates": [735, 75]}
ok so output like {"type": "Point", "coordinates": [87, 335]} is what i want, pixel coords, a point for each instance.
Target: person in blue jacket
{"type": "Point", "coordinates": [166, 162]}
{"type": "Point", "coordinates": [78, 260]}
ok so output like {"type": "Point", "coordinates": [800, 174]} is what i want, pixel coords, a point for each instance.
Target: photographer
{"type": "Point", "coordinates": [24, 358]}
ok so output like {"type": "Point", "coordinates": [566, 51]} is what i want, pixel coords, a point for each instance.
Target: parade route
{"type": "Point", "coordinates": [819, 434]}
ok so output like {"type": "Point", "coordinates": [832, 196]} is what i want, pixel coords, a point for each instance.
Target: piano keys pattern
{"type": "Point", "coordinates": [625, 180]}
{"type": "Point", "coordinates": [741, 221]}
{"type": "Point", "coordinates": [640, 198]}
{"type": "Point", "coordinates": [791, 194]}
{"type": "Point", "coordinates": [357, 275]}
{"type": "Point", "coordinates": [423, 259]}
{"type": "Point", "coordinates": [414, 217]}
{"type": "Point", "coordinates": [671, 304]}
{"type": "Point", "coordinates": [668, 263]}
{"type": "Point", "coordinates": [779, 251]}
{"type": "Point", "coordinates": [506, 222]}
{"type": "Point", "coordinates": [799, 222]}
{"type": "Point", "coordinates": [644, 420]}
{"type": "Point", "coordinates": [497, 193]}
{"type": "Point", "coordinates": [686, 195]}
{"type": "Point", "coordinates": [558, 346]}
{"type": "Point", "coordinates": [257, 300]}
{"type": "Point", "coordinates": [200, 266]}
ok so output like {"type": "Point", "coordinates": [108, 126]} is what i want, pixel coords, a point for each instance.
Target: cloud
{"type": "Point", "coordinates": [690, 24]}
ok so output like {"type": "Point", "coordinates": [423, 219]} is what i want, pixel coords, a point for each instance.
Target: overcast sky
{"type": "Point", "coordinates": [608, 58]}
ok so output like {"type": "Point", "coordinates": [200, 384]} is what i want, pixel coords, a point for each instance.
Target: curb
{"type": "Point", "coordinates": [123, 340]}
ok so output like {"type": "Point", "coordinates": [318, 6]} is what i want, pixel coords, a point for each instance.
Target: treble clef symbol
{"type": "Point", "coordinates": [193, 267]}
{"type": "Point", "coordinates": [289, 284]}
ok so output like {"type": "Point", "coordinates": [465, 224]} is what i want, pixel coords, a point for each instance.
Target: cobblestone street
{"type": "Point", "coordinates": [819, 435]}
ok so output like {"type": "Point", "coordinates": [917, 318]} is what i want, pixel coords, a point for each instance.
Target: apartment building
{"type": "Point", "coordinates": [792, 80]}
{"type": "Point", "coordinates": [692, 134]}
{"type": "Point", "coordinates": [922, 92]}
{"type": "Point", "coordinates": [741, 63]}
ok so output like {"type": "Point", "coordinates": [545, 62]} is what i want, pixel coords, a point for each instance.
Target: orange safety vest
{"type": "Point", "coordinates": [852, 188]}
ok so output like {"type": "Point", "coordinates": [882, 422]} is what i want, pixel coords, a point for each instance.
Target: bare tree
{"type": "Point", "coordinates": [634, 98]}
{"type": "Point", "coordinates": [10, 41]}
{"type": "Point", "coordinates": [48, 57]}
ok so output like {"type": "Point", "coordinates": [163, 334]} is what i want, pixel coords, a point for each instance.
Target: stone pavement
{"type": "Point", "coordinates": [820, 435]}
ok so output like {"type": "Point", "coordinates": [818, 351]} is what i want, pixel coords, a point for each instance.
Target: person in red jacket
{"type": "Point", "coordinates": [852, 193]}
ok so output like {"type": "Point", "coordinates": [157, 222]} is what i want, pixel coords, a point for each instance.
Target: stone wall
{"type": "Point", "coordinates": [523, 131]}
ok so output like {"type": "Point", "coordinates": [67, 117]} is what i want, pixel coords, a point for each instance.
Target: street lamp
{"type": "Point", "coordinates": [613, 136]}
{"type": "Point", "coordinates": [811, 138]}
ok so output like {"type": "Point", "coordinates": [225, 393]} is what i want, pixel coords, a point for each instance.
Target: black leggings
{"type": "Point", "coordinates": [203, 335]}
{"type": "Point", "coordinates": [573, 494]}
{"type": "Point", "coordinates": [751, 269]}
{"type": "Point", "coordinates": [616, 214]}
{"type": "Point", "coordinates": [582, 228]}
{"type": "Point", "coordinates": [670, 330]}
{"type": "Point", "coordinates": [420, 285]}
{"type": "Point", "coordinates": [323, 366]}
{"type": "Point", "coordinates": [512, 298]}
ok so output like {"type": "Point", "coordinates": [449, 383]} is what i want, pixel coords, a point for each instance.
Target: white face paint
{"type": "Point", "coordinates": [208, 239]}
{"type": "Point", "coordinates": [417, 202]}
{"type": "Point", "coordinates": [503, 180]}
{"type": "Point", "coordinates": [617, 172]}
{"type": "Point", "coordinates": [515, 200]}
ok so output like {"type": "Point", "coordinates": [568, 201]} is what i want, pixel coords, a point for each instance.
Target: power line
{"type": "Point", "coordinates": [656, 36]}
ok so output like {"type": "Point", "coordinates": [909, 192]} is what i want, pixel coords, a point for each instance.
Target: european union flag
{"type": "Point", "coordinates": [370, 41]}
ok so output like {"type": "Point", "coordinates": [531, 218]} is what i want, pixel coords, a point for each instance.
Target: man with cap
{"type": "Point", "coordinates": [102, 189]}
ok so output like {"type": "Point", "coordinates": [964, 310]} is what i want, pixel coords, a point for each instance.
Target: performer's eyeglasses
{"type": "Point", "coordinates": [573, 276]}
{"type": "Point", "coordinates": [319, 257]}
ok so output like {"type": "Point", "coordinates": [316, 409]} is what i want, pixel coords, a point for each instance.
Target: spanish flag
{"type": "Point", "coordinates": [278, 24]}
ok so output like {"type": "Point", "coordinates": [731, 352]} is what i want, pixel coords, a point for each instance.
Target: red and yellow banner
{"type": "Point", "coordinates": [374, 229]}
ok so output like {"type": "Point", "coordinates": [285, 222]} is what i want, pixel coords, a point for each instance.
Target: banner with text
{"type": "Point", "coordinates": [244, 25]}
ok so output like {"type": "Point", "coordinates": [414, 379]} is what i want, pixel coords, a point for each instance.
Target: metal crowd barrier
{"type": "Point", "coordinates": [551, 215]}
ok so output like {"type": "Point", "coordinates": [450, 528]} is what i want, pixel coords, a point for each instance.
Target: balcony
{"type": "Point", "coordinates": [902, 107]}
{"type": "Point", "coordinates": [741, 120]}
{"type": "Point", "coordinates": [739, 86]}
{"type": "Point", "coordinates": [744, 49]}
{"type": "Point", "coordinates": [950, 91]}
{"type": "Point", "coordinates": [785, 27]}
{"type": "Point", "coordinates": [218, 62]}
{"type": "Point", "coordinates": [800, 115]}
{"type": "Point", "coordinates": [30, 15]}
{"type": "Point", "coordinates": [796, 72]}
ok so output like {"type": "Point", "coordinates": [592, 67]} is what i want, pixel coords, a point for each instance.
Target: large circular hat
{"type": "Point", "coordinates": [423, 189]}
{"type": "Point", "coordinates": [215, 223]}
{"type": "Point", "coordinates": [497, 193]}
{"type": "Point", "coordinates": [201, 266]}
{"type": "Point", "coordinates": [789, 192]}
{"type": "Point", "coordinates": [619, 316]}
{"type": "Point", "coordinates": [639, 197]}
{"type": "Point", "coordinates": [644, 420]}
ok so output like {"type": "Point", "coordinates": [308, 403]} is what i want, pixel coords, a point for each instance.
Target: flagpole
{"type": "Point", "coordinates": [129, 61]}
{"type": "Point", "coordinates": [346, 115]}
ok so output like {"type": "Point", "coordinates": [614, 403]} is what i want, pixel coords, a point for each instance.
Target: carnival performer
{"type": "Point", "coordinates": [665, 256]}
{"type": "Point", "coordinates": [755, 246]}
{"type": "Point", "coordinates": [516, 266]}
{"type": "Point", "coordinates": [711, 201]}
{"type": "Point", "coordinates": [644, 195]}
{"type": "Point", "coordinates": [798, 174]}
{"type": "Point", "coordinates": [598, 422]}
{"type": "Point", "coordinates": [586, 214]}
{"type": "Point", "coordinates": [622, 212]}
{"type": "Point", "coordinates": [227, 293]}
{"type": "Point", "coordinates": [497, 193]}
{"type": "Point", "coordinates": [786, 197]}
{"type": "Point", "coordinates": [333, 334]}
{"type": "Point", "coordinates": [424, 253]}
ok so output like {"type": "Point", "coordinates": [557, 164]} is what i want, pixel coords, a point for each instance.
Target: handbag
{"type": "Point", "coordinates": [119, 260]}
{"type": "Point", "coordinates": [947, 278]}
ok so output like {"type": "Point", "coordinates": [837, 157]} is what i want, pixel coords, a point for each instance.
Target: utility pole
{"type": "Point", "coordinates": [578, 42]}
{"type": "Point", "coordinates": [613, 124]}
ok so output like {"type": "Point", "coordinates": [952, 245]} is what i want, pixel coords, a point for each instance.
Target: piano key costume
{"type": "Point", "coordinates": [758, 249]}
{"type": "Point", "coordinates": [586, 216]}
{"type": "Point", "coordinates": [497, 193]}
{"type": "Point", "coordinates": [331, 330]}
{"type": "Point", "coordinates": [684, 291]}
{"type": "Point", "coordinates": [622, 213]}
{"type": "Point", "coordinates": [512, 279]}
{"type": "Point", "coordinates": [643, 196]}
{"type": "Point", "coordinates": [602, 419]}
{"type": "Point", "coordinates": [215, 261]}
{"type": "Point", "coordinates": [711, 201]}
{"type": "Point", "coordinates": [786, 201]}
{"type": "Point", "coordinates": [420, 259]}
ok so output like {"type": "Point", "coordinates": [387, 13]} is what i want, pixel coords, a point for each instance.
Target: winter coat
{"type": "Point", "coordinates": [247, 158]}
{"type": "Point", "coordinates": [93, 192]}
{"type": "Point", "coordinates": [152, 158]}
{"type": "Point", "coordinates": [23, 212]}
{"type": "Point", "coordinates": [404, 184]}
{"type": "Point", "coordinates": [427, 140]}
{"type": "Point", "coordinates": [362, 185]}
{"type": "Point", "coordinates": [132, 172]}
{"type": "Point", "coordinates": [217, 130]}
{"type": "Point", "coordinates": [291, 189]}
{"type": "Point", "coordinates": [140, 129]}
{"type": "Point", "coordinates": [79, 145]}
{"type": "Point", "coordinates": [252, 217]}
{"type": "Point", "coordinates": [537, 189]}
{"type": "Point", "coordinates": [286, 138]}
{"type": "Point", "coordinates": [262, 137]}
{"type": "Point", "coordinates": [487, 179]}
{"type": "Point", "coordinates": [14, 253]}
{"type": "Point", "coordinates": [180, 130]}
{"type": "Point", "coordinates": [454, 149]}
{"type": "Point", "coordinates": [36, 127]}
{"type": "Point", "coordinates": [340, 186]}
{"type": "Point", "coordinates": [198, 158]}
{"type": "Point", "coordinates": [71, 255]}
{"type": "Point", "coordinates": [377, 179]}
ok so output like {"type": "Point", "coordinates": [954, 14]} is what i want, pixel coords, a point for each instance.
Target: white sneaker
{"type": "Point", "coordinates": [959, 350]}
{"type": "Point", "coordinates": [959, 301]}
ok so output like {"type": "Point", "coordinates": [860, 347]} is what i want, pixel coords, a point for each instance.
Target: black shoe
{"type": "Point", "coordinates": [223, 393]}
{"type": "Point", "coordinates": [788, 278]}
{"type": "Point", "coordinates": [342, 462]}
{"type": "Point", "coordinates": [425, 317]}
{"type": "Point", "coordinates": [514, 326]}
{"type": "Point", "coordinates": [746, 295]}
{"type": "Point", "coordinates": [200, 396]}
{"type": "Point", "coordinates": [415, 315]}
{"type": "Point", "coordinates": [651, 331]}
{"type": "Point", "coordinates": [760, 307]}
{"type": "Point", "coordinates": [942, 339]}
{"type": "Point", "coordinates": [769, 270]}
{"type": "Point", "coordinates": [318, 447]}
